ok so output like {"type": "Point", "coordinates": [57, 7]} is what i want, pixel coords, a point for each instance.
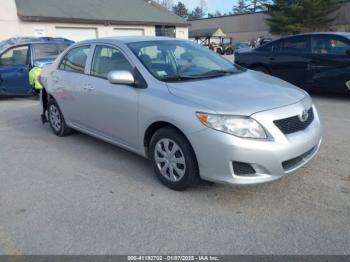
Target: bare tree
{"type": "Point", "coordinates": [203, 5]}
{"type": "Point", "coordinates": [168, 4]}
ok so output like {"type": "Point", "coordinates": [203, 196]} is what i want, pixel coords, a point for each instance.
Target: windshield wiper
{"type": "Point", "coordinates": [217, 73]}
{"type": "Point", "coordinates": [177, 78]}
{"type": "Point", "coordinates": [212, 73]}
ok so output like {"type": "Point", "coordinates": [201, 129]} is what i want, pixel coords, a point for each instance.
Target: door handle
{"type": "Point", "coordinates": [88, 87]}
{"type": "Point", "coordinates": [311, 66]}
{"type": "Point", "coordinates": [272, 59]}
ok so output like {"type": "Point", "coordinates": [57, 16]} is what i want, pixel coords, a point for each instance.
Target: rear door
{"type": "Point", "coordinates": [289, 59]}
{"type": "Point", "coordinates": [68, 81]}
{"type": "Point", "coordinates": [14, 69]}
{"type": "Point", "coordinates": [330, 64]}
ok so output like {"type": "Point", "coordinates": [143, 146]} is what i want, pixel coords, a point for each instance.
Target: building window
{"type": "Point", "coordinates": [166, 30]}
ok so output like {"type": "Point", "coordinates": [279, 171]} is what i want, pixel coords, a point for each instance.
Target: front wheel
{"type": "Point", "coordinates": [173, 159]}
{"type": "Point", "coordinates": [56, 119]}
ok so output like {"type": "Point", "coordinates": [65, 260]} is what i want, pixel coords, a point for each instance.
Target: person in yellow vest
{"type": "Point", "coordinates": [34, 79]}
{"type": "Point", "coordinates": [34, 74]}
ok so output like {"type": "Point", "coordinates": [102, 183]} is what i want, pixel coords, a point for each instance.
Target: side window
{"type": "Point", "coordinates": [107, 59]}
{"type": "Point", "coordinates": [271, 47]}
{"type": "Point", "coordinates": [75, 60]}
{"type": "Point", "coordinates": [15, 56]}
{"type": "Point", "coordinates": [329, 45]}
{"type": "Point", "coordinates": [47, 51]}
{"type": "Point", "coordinates": [295, 45]}
{"type": "Point", "coordinates": [266, 48]}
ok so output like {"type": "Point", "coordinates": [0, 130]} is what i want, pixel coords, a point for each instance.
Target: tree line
{"type": "Point", "coordinates": [285, 16]}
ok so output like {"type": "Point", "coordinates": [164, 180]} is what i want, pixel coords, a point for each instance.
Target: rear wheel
{"type": "Point", "coordinates": [56, 119]}
{"type": "Point", "coordinates": [261, 69]}
{"type": "Point", "coordinates": [173, 159]}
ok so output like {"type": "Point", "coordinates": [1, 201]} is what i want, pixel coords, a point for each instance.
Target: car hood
{"type": "Point", "coordinates": [240, 94]}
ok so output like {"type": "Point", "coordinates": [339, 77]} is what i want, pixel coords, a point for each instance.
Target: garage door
{"type": "Point", "coordinates": [128, 32]}
{"type": "Point", "coordinates": [76, 34]}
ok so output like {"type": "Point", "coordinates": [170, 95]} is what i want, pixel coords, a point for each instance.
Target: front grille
{"type": "Point", "coordinates": [294, 162]}
{"type": "Point", "coordinates": [294, 124]}
{"type": "Point", "coordinates": [243, 169]}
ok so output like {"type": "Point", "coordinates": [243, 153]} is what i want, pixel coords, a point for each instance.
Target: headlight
{"type": "Point", "coordinates": [240, 126]}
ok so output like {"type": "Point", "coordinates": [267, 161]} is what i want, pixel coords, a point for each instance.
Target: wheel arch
{"type": "Point", "coordinates": [45, 98]}
{"type": "Point", "coordinates": [154, 127]}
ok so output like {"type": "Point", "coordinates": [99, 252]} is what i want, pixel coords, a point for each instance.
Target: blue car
{"type": "Point", "coordinates": [19, 55]}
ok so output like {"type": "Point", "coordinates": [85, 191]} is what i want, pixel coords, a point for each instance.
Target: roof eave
{"type": "Point", "coordinates": [94, 21]}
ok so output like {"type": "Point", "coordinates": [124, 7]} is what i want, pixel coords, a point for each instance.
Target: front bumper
{"type": "Point", "coordinates": [271, 159]}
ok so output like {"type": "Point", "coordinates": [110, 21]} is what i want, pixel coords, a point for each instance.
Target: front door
{"type": "Point", "coordinates": [112, 109]}
{"type": "Point", "coordinates": [14, 69]}
{"type": "Point", "coordinates": [330, 65]}
{"type": "Point", "coordinates": [289, 61]}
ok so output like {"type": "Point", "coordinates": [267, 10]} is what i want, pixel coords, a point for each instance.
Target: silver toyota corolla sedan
{"type": "Point", "coordinates": [193, 113]}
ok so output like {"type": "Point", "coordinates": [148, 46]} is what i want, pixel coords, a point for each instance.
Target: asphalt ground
{"type": "Point", "coordinates": [78, 195]}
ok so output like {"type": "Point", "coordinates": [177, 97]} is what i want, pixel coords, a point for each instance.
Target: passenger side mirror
{"type": "Point", "coordinates": [121, 78]}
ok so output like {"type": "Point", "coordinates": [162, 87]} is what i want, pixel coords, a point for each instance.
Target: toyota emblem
{"type": "Point", "coordinates": [304, 116]}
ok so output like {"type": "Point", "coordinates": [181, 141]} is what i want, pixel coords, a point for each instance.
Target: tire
{"type": "Point", "coordinates": [176, 167]}
{"type": "Point", "coordinates": [56, 119]}
{"type": "Point", "coordinates": [261, 69]}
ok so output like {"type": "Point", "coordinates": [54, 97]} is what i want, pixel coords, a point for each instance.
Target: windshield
{"type": "Point", "coordinates": [181, 60]}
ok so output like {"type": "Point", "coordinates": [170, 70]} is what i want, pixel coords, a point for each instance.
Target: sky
{"type": "Point", "coordinates": [213, 5]}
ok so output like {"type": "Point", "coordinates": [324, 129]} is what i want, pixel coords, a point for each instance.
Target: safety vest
{"type": "Point", "coordinates": [34, 78]}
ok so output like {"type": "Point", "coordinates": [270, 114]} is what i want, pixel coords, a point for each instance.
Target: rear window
{"type": "Point", "coordinates": [294, 45]}
{"type": "Point", "coordinates": [48, 51]}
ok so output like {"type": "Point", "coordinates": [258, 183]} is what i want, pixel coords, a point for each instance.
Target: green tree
{"type": "Point", "coordinates": [241, 7]}
{"type": "Point", "coordinates": [197, 13]}
{"type": "Point", "coordinates": [297, 16]}
{"type": "Point", "coordinates": [250, 6]}
{"type": "Point", "coordinates": [180, 9]}
{"type": "Point", "coordinates": [217, 14]}
{"type": "Point", "coordinates": [258, 5]}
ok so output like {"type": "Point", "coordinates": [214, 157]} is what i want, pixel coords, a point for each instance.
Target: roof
{"type": "Point", "coordinates": [208, 32]}
{"type": "Point", "coordinates": [130, 39]}
{"type": "Point", "coordinates": [32, 40]}
{"type": "Point", "coordinates": [130, 12]}
{"type": "Point", "coordinates": [344, 34]}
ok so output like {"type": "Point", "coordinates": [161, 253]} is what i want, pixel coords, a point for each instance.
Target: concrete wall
{"type": "Point", "coordinates": [250, 26]}
{"type": "Point", "coordinates": [12, 26]}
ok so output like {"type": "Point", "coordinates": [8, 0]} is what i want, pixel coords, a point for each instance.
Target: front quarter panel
{"type": "Point", "coordinates": [157, 104]}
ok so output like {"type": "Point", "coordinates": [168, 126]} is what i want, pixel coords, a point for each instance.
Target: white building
{"type": "Point", "coordinates": [84, 19]}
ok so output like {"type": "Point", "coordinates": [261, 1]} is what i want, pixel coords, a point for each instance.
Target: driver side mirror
{"type": "Point", "coordinates": [348, 52]}
{"type": "Point", "coordinates": [121, 78]}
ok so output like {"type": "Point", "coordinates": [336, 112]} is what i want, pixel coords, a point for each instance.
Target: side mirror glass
{"type": "Point", "coordinates": [121, 77]}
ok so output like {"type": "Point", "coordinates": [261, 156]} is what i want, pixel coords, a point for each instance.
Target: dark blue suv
{"type": "Point", "coordinates": [19, 55]}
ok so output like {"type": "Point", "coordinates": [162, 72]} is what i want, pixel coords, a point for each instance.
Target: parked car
{"type": "Point", "coordinates": [318, 61]}
{"type": "Point", "coordinates": [19, 55]}
{"type": "Point", "coordinates": [241, 46]}
{"type": "Point", "coordinates": [193, 113]}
